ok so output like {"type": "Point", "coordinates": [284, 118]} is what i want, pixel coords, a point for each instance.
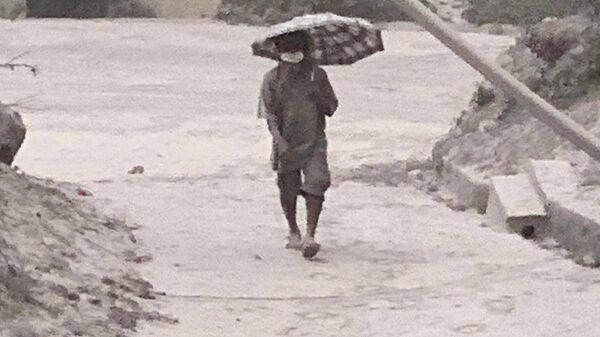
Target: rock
{"type": "Point", "coordinates": [140, 288]}
{"type": "Point", "coordinates": [416, 175]}
{"type": "Point", "coordinates": [12, 134]}
{"type": "Point", "coordinates": [437, 198]}
{"type": "Point", "coordinates": [142, 259]}
{"type": "Point", "coordinates": [457, 206]}
{"type": "Point", "coordinates": [157, 316]}
{"type": "Point", "coordinates": [137, 170]}
{"type": "Point", "coordinates": [432, 188]}
{"type": "Point", "coordinates": [416, 164]}
{"type": "Point", "coordinates": [125, 319]}
{"type": "Point", "coordinates": [95, 301]}
{"type": "Point", "coordinates": [132, 238]}
{"type": "Point", "coordinates": [73, 297]}
{"type": "Point", "coordinates": [484, 95]}
{"type": "Point", "coordinates": [83, 193]}
{"type": "Point", "coordinates": [107, 281]}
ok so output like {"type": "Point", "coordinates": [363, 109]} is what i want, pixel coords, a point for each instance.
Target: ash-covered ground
{"type": "Point", "coordinates": [179, 98]}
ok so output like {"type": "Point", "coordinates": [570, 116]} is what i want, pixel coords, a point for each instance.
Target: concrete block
{"type": "Point", "coordinates": [470, 189]}
{"type": "Point", "coordinates": [574, 212]}
{"type": "Point", "coordinates": [554, 179]}
{"type": "Point", "coordinates": [183, 8]}
{"type": "Point", "coordinates": [514, 202]}
{"type": "Point", "coordinates": [577, 232]}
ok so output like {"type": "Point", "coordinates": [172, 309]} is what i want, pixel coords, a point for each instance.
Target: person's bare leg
{"type": "Point", "coordinates": [288, 196]}
{"type": "Point", "coordinates": [314, 206]}
{"type": "Point", "coordinates": [288, 200]}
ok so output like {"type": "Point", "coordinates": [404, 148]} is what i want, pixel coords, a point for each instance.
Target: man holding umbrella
{"type": "Point", "coordinates": [296, 96]}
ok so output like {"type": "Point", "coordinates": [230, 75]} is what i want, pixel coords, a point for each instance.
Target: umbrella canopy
{"type": "Point", "coordinates": [337, 40]}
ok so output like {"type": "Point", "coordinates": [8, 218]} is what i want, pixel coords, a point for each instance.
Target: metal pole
{"type": "Point", "coordinates": [537, 106]}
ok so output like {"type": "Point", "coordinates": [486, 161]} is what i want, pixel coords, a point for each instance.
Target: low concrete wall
{"type": "Point", "coordinates": [117, 8]}
{"type": "Point", "coordinates": [183, 8]}
{"type": "Point", "coordinates": [470, 189]}
{"type": "Point", "coordinates": [67, 8]}
{"type": "Point", "coordinates": [577, 233]}
{"type": "Point", "coordinates": [574, 210]}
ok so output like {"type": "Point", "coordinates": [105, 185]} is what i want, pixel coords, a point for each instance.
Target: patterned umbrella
{"type": "Point", "coordinates": [337, 40]}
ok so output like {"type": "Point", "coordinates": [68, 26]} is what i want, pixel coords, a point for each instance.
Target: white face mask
{"type": "Point", "coordinates": [295, 57]}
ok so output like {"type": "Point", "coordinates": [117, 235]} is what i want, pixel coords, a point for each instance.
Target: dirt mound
{"type": "Point", "coordinates": [560, 60]}
{"type": "Point", "coordinates": [262, 12]}
{"type": "Point", "coordinates": [65, 269]}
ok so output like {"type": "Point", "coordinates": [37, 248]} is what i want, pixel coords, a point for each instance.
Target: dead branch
{"type": "Point", "coordinates": [12, 65]}
{"type": "Point", "coordinates": [24, 103]}
{"type": "Point", "coordinates": [23, 100]}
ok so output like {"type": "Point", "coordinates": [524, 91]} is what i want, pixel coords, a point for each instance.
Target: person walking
{"type": "Point", "coordinates": [296, 97]}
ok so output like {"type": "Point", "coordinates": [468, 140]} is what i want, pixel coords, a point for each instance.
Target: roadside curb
{"type": "Point", "coordinates": [574, 213]}
{"type": "Point", "coordinates": [470, 189]}
{"type": "Point", "coordinates": [575, 224]}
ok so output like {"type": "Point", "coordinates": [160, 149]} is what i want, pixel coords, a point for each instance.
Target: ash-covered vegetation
{"type": "Point", "coordinates": [263, 12]}
{"type": "Point", "coordinates": [560, 60]}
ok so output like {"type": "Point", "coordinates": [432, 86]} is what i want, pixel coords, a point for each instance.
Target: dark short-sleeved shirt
{"type": "Point", "coordinates": [299, 104]}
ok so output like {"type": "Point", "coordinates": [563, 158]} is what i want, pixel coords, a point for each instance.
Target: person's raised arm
{"type": "Point", "coordinates": [326, 100]}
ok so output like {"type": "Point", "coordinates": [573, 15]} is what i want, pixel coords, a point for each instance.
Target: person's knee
{"type": "Point", "coordinates": [323, 182]}
{"type": "Point", "coordinates": [313, 197]}
{"type": "Point", "coordinates": [316, 187]}
{"type": "Point", "coordinates": [323, 186]}
{"type": "Point", "coordinates": [289, 182]}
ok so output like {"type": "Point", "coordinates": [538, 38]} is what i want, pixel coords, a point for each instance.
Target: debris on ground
{"type": "Point", "coordinates": [137, 170]}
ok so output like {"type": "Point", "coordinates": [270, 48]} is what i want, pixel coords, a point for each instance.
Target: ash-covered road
{"type": "Point", "coordinates": [179, 98]}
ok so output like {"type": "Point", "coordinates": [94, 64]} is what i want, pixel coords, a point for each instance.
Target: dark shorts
{"type": "Point", "coordinates": [313, 178]}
